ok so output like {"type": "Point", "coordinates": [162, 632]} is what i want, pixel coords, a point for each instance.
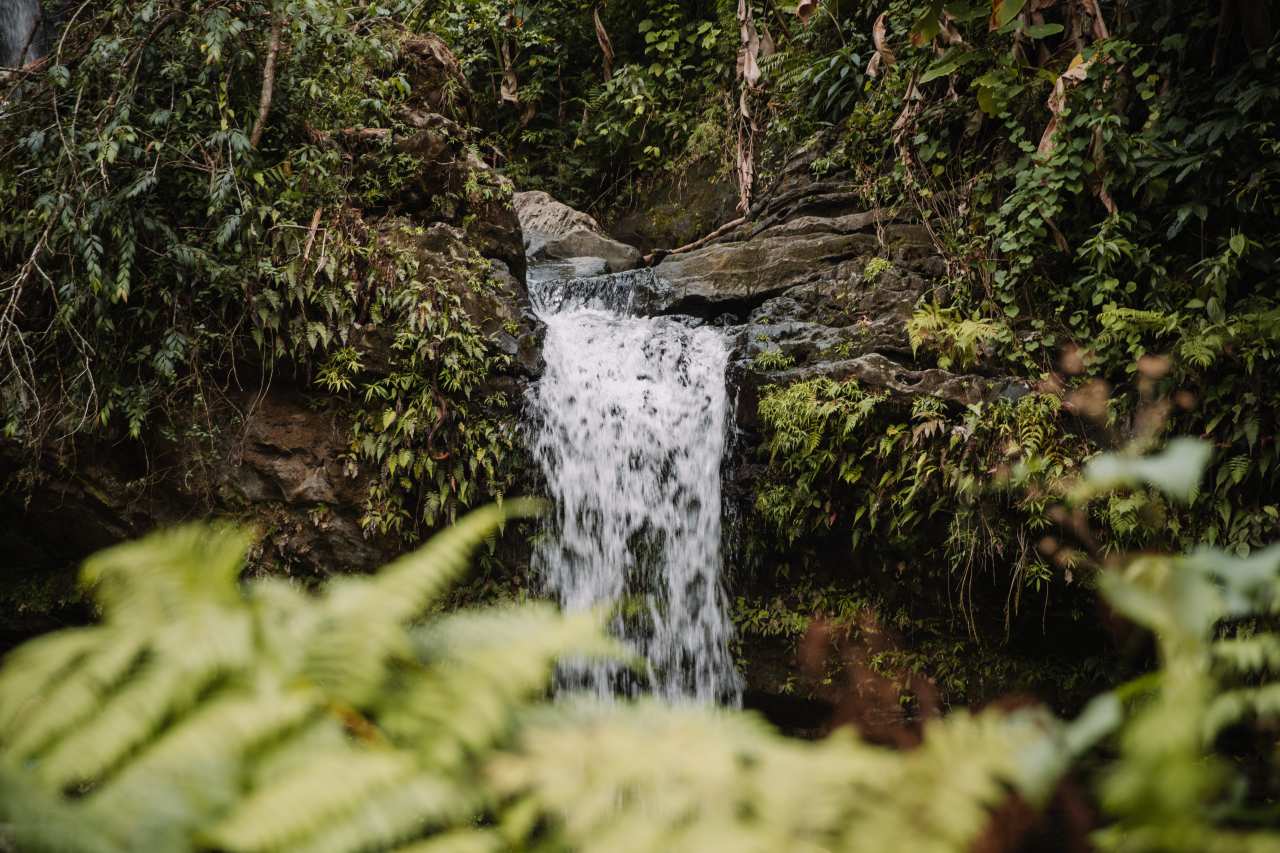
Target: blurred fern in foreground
{"type": "Point", "coordinates": [205, 714]}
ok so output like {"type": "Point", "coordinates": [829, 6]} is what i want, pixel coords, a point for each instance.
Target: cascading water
{"type": "Point", "coordinates": [23, 32]}
{"type": "Point", "coordinates": [631, 420]}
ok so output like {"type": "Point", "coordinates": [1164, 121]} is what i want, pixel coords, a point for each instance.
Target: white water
{"type": "Point", "coordinates": [631, 419]}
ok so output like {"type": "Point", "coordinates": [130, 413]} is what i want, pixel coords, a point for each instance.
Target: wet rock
{"type": "Point", "coordinates": [756, 269]}
{"type": "Point", "coordinates": [555, 230]}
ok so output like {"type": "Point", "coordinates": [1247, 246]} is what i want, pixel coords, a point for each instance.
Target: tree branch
{"type": "Point", "coordinates": [268, 80]}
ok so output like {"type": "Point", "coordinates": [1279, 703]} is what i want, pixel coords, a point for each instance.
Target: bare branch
{"type": "Point", "coordinates": [268, 80]}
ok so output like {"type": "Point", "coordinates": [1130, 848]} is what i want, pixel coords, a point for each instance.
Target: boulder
{"type": "Point", "coordinates": [458, 187]}
{"type": "Point", "coordinates": [754, 270]}
{"type": "Point", "coordinates": [435, 76]}
{"type": "Point", "coordinates": [555, 230]}
{"type": "Point", "coordinates": [807, 250]}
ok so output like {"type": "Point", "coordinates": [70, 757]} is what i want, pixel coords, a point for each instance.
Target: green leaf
{"type": "Point", "coordinates": [1039, 31]}
{"type": "Point", "coordinates": [926, 26]}
{"type": "Point", "coordinates": [1176, 471]}
{"type": "Point", "coordinates": [1004, 11]}
{"type": "Point", "coordinates": [948, 63]}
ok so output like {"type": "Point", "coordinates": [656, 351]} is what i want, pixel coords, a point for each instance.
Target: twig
{"type": "Point", "coordinates": [311, 235]}
{"type": "Point", "coordinates": [702, 241]}
{"type": "Point", "coordinates": [268, 81]}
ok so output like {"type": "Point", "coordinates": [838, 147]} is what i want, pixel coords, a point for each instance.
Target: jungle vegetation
{"type": "Point", "coordinates": [179, 220]}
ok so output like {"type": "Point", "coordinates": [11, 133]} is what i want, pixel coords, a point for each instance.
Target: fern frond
{"type": "Point", "coordinates": [1233, 706]}
{"type": "Point", "coordinates": [482, 667]}
{"type": "Point", "coordinates": [185, 659]}
{"type": "Point", "coordinates": [193, 772]}
{"type": "Point", "coordinates": [693, 771]}
{"type": "Point", "coordinates": [461, 841]}
{"type": "Point", "coordinates": [292, 809]}
{"type": "Point", "coordinates": [32, 670]}
{"type": "Point", "coordinates": [34, 821]}
{"type": "Point", "coordinates": [361, 624]}
{"type": "Point", "coordinates": [410, 584]}
{"type": "Point", "coordinates": [1248, 655]}
{"type": "Point", "coordinates": [160, 576]}
{"type": "Point", "coordinates": [320, 736]}
{"type": "Point", "coordinates": [394, 816]}
{"type": "Point", "coordinates": [76, 694]}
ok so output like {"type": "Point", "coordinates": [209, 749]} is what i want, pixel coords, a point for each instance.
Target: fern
{"type": "Point", "coordinates": [703, 781]}
{"type": "Point", "coordinates": [203, 714]}
{"type": "Point", "coordinates": [958, 341]}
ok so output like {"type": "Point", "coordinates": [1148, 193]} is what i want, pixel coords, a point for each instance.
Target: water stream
{"type": "Point", "coordinates": [631, 419]}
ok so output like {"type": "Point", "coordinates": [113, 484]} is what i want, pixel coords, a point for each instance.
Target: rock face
{"type": "Point", "coordinates": [831, 294]}
{"type": "Point", "coordinates": [557, 231]}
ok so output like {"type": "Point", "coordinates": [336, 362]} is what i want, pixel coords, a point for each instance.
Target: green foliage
{"type": "Point", "coordinates": [1113, 193]}
{"type": "Point", "coordinates": [1165, 792]}
{"type": "Point", "coordinates": [437, 436]}
{"type": "Point", "coordinates": [204, 715]}
{"type": "Point", "coordinates": [840, 458]}
{"type": "Point", "coordinates": [157, 260]}
{"type": "Point", "coordinates": [748, 790]}
{"type": "Point", "coordinates": [958, 342]}
{"type": "Point", "coordinates": [772, 359]}
{"type": "Point", "coordinates": [586, 137]}
{"type": "Point", "coordinates": [201, 715]}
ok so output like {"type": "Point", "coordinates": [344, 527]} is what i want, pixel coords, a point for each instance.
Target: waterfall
{"type": "Point", "coordinates": [22, 32]}
{"type": "Point", "coordinates": [631, 419]}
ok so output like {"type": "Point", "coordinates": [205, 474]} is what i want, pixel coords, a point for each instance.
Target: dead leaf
{"type": "Point", "coordinates": [510, 88]}
{"type": "Point", "coordinates": [749, 77]}
{"type": "Point", "coordinates": [1100, 30]}
{"type": "Point", "coordinates": [745, 166]}
{"type": "Point", "coordinates": [883, 56]}
{"type": "Point", "coordinates": [949, 30]}
{"type": "Point", "coordinates": [749, 52]}
{"type": "Point", "coordinates": [906, 119]}
{"type": "Point", "coordinates": [767, 45]}
{"type": "Point", "coordinates": [606, 46]}
{"type": "Point", "coordinates": [1077, 71]}
{"type": "Point", "coordinates": [1004, 11]}
{"type": "Point", "coordinates": [805, 10]}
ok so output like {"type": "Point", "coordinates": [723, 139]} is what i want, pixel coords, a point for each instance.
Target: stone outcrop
{"type": "Point", "coordinates": [827, 285]}
{"type": "Point", "coordinates": [556, 231]}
